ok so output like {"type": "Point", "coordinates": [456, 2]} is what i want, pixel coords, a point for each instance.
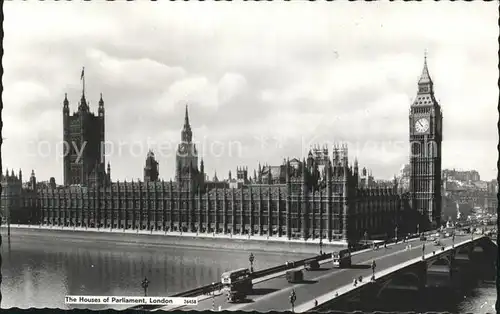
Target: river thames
{"type": "Point", "coordinates": [40, 269]}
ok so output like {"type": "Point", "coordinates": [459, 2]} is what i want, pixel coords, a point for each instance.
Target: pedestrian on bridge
{"type": "Point", "coordinates": [315, 303]}
{"type": "Point", "coordinates": [293, 298]}
{"type": "Point", "coordinates": [374, 265]}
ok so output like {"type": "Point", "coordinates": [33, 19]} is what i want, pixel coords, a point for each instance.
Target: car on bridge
{"type": "Point", "coordinates": [237, 284]}
{"type": "Point", "coordinates": [312, 265]}
{"type": "Point", "coordinates": [294, 276]}
{"type": "Point", "coordinates": [236, 296]}
{"type": "Point", "coordinates": [342, 258]}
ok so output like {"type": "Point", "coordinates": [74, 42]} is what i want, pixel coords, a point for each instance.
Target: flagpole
{"type": "Point", "coordinates": [83, 80]}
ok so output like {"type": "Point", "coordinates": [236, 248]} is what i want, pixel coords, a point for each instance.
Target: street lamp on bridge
{"type": "Point", "coordinates": [213, 296]}
{"type": "Point", "coordinates": [145, 285]}
{"type": "Point", "coordinates": [293, 298]}
{"type": "Point", "coordinates": [423, 251]}
{"type": "Point", "coordinates": [251, 258]}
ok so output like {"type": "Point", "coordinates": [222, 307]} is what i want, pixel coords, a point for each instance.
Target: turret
{"type": "Point", "coordinates": [33, 180]}
{"type": "Point", "coordinates": [287, 171]}
{"type": "Point", "coordinates": [101, 107]}
{"type": "Point", "coordinates": [259, 174]}
{"type": "Point", "coordinates": [304, 169]}
{"type": "Point", "coordinates": [310, 160]}
{"type": "Point", "coordinates": [65, 105]}
{"type": "Point", "coordinates": [20, 176]}
{"type": "Point", "coordinates": [109, 173]}
{"type": "Point", "coordinates": [186, 133]}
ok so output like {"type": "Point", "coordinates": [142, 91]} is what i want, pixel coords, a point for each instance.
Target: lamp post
{"type": "Point", "coordinates": [213, 296]}
{"type": "Point", "coordinates": [145, 284]}
{"type": "Point", "coordinates": [293, 298]}
{"type": "Point", "coordinates": [418, 228]}
{"type": "Point", "coordinates": [453, 240]}
{"type": "Point", "coordinates": [8, 221]}
{"type": "Point", "coordinates": [321, 246]}
{"type": "Point", "coordinates": [251, 258]}
{"type": "Point", "coordinates": [423, 251]}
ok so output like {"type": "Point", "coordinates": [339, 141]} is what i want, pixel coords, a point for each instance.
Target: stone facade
{"type": "Point", "coordinates": [296, 209]}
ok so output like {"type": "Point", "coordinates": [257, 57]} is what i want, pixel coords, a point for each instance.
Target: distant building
{"type": "Point", "coordinates": [461, 175]}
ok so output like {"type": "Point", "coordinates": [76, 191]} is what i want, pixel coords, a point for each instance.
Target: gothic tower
{"type": "Point", "coordinates": [83, 135]}
{"type": "Point", "coordinates": [151, 171]}
{"type": "Point", "coordinates": [187, 173]}
{"type": "Point", "coordinates": [425, 153]}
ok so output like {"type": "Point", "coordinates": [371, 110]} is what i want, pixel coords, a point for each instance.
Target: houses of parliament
{"type": "Point", "coordinates": [321, 196]}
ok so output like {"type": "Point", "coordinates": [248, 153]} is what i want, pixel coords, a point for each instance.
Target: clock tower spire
{"type": "Point", "coordinates": [425, 82]}
{"type": "Point", "coordinates": [425, 153]}
{"type": "Point", "coordinates": [187, 174]}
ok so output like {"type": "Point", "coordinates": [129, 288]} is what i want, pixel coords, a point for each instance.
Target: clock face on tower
{"type": "Point", "coordinates": [422, 125]}
{"type": "Point", "coordinates": [182, 149]}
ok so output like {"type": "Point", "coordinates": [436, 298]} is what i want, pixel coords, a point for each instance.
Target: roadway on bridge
{"type": "Point", "coordinates": [274, 293]}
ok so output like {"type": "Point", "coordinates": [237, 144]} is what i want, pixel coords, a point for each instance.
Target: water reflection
{"type": "Point", "coordinates": [40, 271]}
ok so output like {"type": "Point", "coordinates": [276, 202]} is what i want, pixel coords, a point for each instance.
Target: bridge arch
{"type": "Point", "coordinates": [465, 250]}
{"type": "Point", "coordinates": [409, 278]}
{"type": "Point", "coordinates": [441, 261]}
{"type": "Point", "coordinates": [478, 249]}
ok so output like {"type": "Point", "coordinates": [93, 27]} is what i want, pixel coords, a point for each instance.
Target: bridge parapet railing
{"type": "Point", "coordinates": [265, 272]}
{"type": "Point", "coordinates": [327, 298]}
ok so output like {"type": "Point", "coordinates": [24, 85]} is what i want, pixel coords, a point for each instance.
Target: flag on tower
{"type": "Point", "coordinates": [83, 73]}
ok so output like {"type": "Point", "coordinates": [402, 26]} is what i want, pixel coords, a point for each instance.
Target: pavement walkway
{"type": "Point", "coordinates": [325, 242]}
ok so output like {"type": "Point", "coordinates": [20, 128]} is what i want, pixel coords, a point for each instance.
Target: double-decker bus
{"type": "Point", "coordinates": [341, 258]}
{"type": "Point", "coordinates": [237, 283]}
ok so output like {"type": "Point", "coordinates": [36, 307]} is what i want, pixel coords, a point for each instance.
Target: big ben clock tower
{"type": "Point", "coordinates": [425, 153]}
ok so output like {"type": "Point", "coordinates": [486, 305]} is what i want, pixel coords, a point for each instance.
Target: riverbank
{"type": "Point", "coordinates": [155, 238]}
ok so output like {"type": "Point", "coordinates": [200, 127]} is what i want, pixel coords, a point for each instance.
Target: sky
{"type": "Point", "coordinates": [263, 81]}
